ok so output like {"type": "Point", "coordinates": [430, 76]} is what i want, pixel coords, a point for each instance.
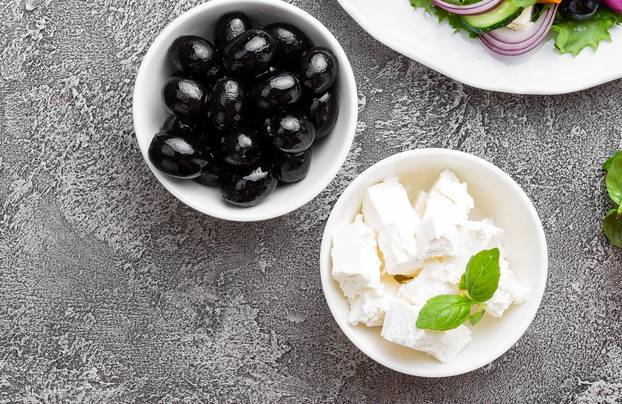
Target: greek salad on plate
{"type": "Point", "coordinates": [515, 27]}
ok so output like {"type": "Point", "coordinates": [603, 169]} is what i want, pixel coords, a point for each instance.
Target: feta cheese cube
{"type": "Point", "coordinates": [388, 211]}
{"type": "Point", "coordinates": [399, 327]}
{"type": "Point", "coordinates": [476, 236]}
{"type": "Point", "coordinates": [424, 287]}
{"type": "Point", "coordinates": [457, 192]}
{"type": "Point", "coordinates": [368, 308]}
{"type": "Point", "coordinates": [356, 264]}
{"type": "Point", "coordinates": [420, 203]}
{"type": "Point", "coordinates": [437, 235]}
{"type": "Point", "coordinates": [509, 292]}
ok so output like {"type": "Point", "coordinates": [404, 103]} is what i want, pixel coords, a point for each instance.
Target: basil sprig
{"type": "Point", "coordinates": [612, 224]}
{"type": "Point", "coordinates": [479, 281]}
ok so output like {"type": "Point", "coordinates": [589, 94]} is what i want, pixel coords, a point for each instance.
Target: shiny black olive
{"type": "Point", "coordinates": [177, 156]}
{"type": "Point", "coordinates": [212, 171]}
{"type": "Point", "coordinates": [579, 10]}
{"type": "Point", "coordinates": [289, 168]}
{"type": "Point", "coordinates": [240, 147]}
{"type": "Point", "coordinates": [227, 103]}
{"type": "Point", "coordinates": [229, 27]}
{"type": "Point", "coordinates": [265, 73]}
{"type": "Point", "coordinates": [278, 91]}
{"type": "Point", "coordinates": [291, 132]}
{"type": "Point", "coordinates": [291, 42]}
{"type": "Point", "coordinates": [323, 112]}
{"type": "Point", "coordinates": [250, 52]}
{"type": "Point", "coordinates": [175, 125]}
{"type": "Point", "coordinates": [318, 69]}
{"type": "Point", "coordinates": [195, 57]}
{"type": "Point", "coordinates": [185, 98]}
{"type": "Point", "coordinates": [249, 186]}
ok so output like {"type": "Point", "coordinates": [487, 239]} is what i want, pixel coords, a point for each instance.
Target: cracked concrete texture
{"type": "Point", "coordinates": [113, 291]}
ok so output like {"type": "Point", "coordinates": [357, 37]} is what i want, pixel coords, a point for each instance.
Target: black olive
{"type": "Point", "coordinates": [289, 168]}
{"type": "Point", "coordinates": [291, 132]}
{"type": "Point", "coordinates": [185, 98]}
{"type": "Point", "coordinates": [229, 27]}
{"type": "Point", "coordinates": [579, 10]}
{"type": "Point", "coordinates": [240, 147]}
{"type": "Point", "coordinates": [278, 91]}
{"type": "Point", "coordinates": [265, 73]}
{"type": "Point", "coordinates": [212, 171]}
{"type": "Point", "coordinates": [195, 57]}
{"type": "Point", "coordinates": [291, 42]}
{"type": "Point", "coordinates": [227, 103]}
{"type": "Point", "coordinates": [249, 186]}
{"type": "Point", "coordinates": [250, 52]}
{"type": "Point", "coordinates": [175, 125]}
{"type": "Point", "coordinates": [177, 156]}
{"type": "Point", "coordinates": [323, 112]}
{"type": "Point", "coordinates": [318, 69]}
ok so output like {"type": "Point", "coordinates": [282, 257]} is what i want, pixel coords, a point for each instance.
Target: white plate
{"type": "Point", "coordinates": [496, 196]}
{"type": "Point", "coordinates": [421, 37]}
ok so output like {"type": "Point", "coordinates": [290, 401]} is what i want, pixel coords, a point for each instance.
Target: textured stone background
{"type": "Point", "coordinates": [111, 290]}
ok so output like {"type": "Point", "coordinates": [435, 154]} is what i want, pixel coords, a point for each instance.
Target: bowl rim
{"type": "Point", "coordinates": [349, 81]}
{"type": "Point", "coordinates": [326, 244]}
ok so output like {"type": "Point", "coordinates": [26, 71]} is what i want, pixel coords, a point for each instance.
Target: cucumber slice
{"type": "Point", "coordinates": [497, 18]}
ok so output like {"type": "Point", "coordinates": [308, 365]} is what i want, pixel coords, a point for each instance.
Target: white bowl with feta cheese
{"type": "Point", "coordinates": [403, 232]}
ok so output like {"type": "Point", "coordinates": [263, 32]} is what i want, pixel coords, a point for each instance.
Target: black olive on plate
{"type": "Point", "coordinates": [579, 10]}
{"type": "Point", "coordinates": [278, 91]}
{"type": "Point", "coordinates": [177, 156]}
{"type": "Point", "coordinates": [213, 170]}
{"type": "Point", "coordinates": [291, 132]}
{"type": "Point", "coordinates": [175, 125]}
{"type": "Point", "coordinates": [291, 42]}
{"type": "Point", "coordinates": [250, 52]}
{"type": "Point", "coordinates": [195, 57]}
{"type": "Point", "coordinates": [240, 147]}
{"type": "Point", "coordinates": [185, 98]}
{"type": "Point", "coordinates": [323, 112]}
{"type": "Point", "coordinates": [290, 168]}
{"type": "Point", "coordinates": [318, 69]}
{"type": "Point", "coordinates": [249, 186]}
{"type": "Point", "coordinates": [227, 103]}
{"type": "Point", "coordinates": [229, 27]}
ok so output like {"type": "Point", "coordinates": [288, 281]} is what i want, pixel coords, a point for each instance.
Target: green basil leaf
{"type": "Point", "coordinates": [476, 317]}
{"type": "Point", "coordinates": [612, 226]}
{"type": "Point", "coordinates": [614, 180]}
{"type": "Point", "coordinates": [462, 284]}
{"type": "Point", "coordinates": [444, 312]}
{"type": "Point", "coordinates": [402, 278]}
{"type": "Point", "coordinates": [610, 160]}
{"type": "Point", "coordinates": [482, 275]}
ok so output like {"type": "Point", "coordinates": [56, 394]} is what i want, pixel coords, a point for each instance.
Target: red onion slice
{"type": "Point", "coordinates": [505, 41]}
{"type": "Point", "coordinates": [480, 7]}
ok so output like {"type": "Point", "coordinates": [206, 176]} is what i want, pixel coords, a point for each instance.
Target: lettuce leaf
{"type": "Point", "coordinates": [573, 36]}
{"type": "Point", "coordinates": [455, 21]}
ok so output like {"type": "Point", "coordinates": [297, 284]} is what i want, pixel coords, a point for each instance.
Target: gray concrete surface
{"type": "Point", "coordinates": [113, 291]}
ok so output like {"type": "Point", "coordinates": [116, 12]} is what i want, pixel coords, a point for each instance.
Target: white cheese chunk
{"type": "Point", "coordinates": [368, 308]}
{"type": "Point", "coordinates": [388, 211]}
{"type": "Point", "coordinates": [522, 21]}
{"type": "Point", "coordinates": [426, 285]}
{"type": "Point", "coordinates": [356, 264]}
{"type": "Point", "coordinates": [457, 192]}
{"type": "Point", "coordinates": [509, 292]}
{"type": "Point", "coordinates": [399, 327]}
{"type": "Point", "coordinates": [476, 236]}
{"type": "Point", "coordinates": [437, 235]}
{"type": "Point", "coordinates": [420, 203]}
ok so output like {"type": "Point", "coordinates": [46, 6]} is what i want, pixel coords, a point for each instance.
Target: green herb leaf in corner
{"type": "Point", "coordinates": [482, 275]}
{"type": "Point", "coordinates": [614, 180]}
{"type": "Point", "coordinates": [612, 227]}
{"type": "Point", "coordinates": [476, 317]}
{"type": "Point", "coordinates": [610, 160]}
{"type": "Point", "coordinates": [573, 36]}
{"type": "Point", "coordinates": [444, 312]}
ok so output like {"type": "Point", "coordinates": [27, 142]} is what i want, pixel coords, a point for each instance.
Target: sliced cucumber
{"type": "Point", "coordinates": [501, 16]}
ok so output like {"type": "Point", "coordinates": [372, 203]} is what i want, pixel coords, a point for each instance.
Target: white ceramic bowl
{"type": "Point", "coordinates": [496, 196]}
{"type": "Point", "coordinates": [150, 111]}
{"type": "Point", "coordinates": [421, 37]}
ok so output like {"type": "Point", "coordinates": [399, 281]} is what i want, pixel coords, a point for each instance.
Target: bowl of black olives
{"type": "Point", "coordinates": [245, 110]}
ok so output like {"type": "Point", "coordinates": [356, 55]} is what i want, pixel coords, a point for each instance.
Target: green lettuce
{"type": "Point", "coordinates": [573, 36]}
{"type": "Point", "coordinates": [452, 19]}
